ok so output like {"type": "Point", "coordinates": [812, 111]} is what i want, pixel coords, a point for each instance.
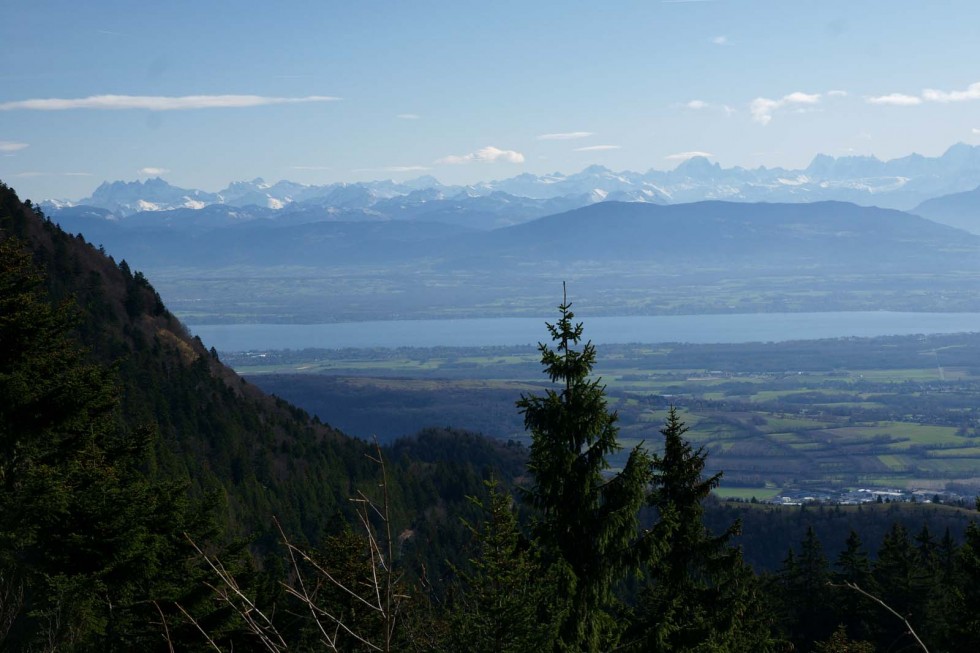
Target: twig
{"type": "Point", "coordinates": [166, 629]}
{"type": "Point", "coordinates": [854, 586]}
{"type": "Point", "coordinates": [194, 621]}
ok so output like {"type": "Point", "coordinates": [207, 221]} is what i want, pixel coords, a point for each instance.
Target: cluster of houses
{"type": "Point", "coordinates": [800, 496]}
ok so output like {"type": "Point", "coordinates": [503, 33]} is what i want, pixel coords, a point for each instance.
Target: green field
{"type": "Point", "coordinates": [770, 416]}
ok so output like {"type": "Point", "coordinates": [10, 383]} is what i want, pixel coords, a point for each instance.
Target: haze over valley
{"type": "Point", "coordinates": [286, 252]}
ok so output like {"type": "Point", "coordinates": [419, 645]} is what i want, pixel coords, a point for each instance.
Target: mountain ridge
{"type": "Point", "coordinates": [901, 183]}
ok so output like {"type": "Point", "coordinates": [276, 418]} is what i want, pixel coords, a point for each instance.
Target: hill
{"type": "Point", "coordinates": [705, 234]}
{"type": "Point", "coordinates": [960, 210]}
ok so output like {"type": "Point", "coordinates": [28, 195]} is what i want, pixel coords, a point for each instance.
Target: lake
{"type": "Point", "coordinates": [753, 327]}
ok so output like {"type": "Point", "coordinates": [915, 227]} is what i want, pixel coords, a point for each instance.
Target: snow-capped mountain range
{"type": "Point", "coordinates": [901, 183]}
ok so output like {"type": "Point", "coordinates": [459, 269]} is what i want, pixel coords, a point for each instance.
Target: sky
{"type": "Point", "coordinates": [209, 92]}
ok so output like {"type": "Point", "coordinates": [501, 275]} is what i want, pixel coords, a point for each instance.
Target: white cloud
{"type": "Point", "coordinates": [972, 92]}
{"type": "Point", "coordinates": [9, 146]}
{"type": "Point", "coordinates": [408, 116]}
{"type": "Point", "coordinates": [158, 103]}
{"type": "Point", "coordinates": [565, 136]}
{"type": "Point", "coordinates": [153, 172]}
{"type": "Point", "coordinates": [597, 148]}
{"type": "Point", "coordinates": [684, 156]}
{"type": "Point", "coordinates": [976, 132]}
{"type": "Point", "coordinates": [896, 99]}
{"type": "Point", "coordinates": [701, 105]}
{"type": "Point", "coordinates": [837, 93]}
{"type": "Point", "coordinates": [720, 40]}
{"type": "Point", "coordinates": [485, 155]}
{"type": "Point", "coordinates": [763, 108]}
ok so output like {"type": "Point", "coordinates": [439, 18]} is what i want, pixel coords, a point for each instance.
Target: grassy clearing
{"type": "Point", "coordinates": [747, 493]}
{"type": "Point", "coordinates": [894, 462]}
{"type": "Point", "coordinates": [776, 424]}
{"type": "Point", "coordinates": [957, 452]}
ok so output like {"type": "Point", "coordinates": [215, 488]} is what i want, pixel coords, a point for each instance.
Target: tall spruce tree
{"type": "Point", "coordinates": [587, 518]}
{"type": "Point", "coordinates": [699, 594]}
{"type": "Point", "coordinates": [854, 611]}
{"type": "Point", "coordinates": [904, 584]}
{"type": "Point", "coordinates": [804, 595]}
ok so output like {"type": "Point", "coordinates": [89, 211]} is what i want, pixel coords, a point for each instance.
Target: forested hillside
{"type": "Point", "coordinates": [150, 499]}
{"type": "Point", "coordinates": [97, 373]}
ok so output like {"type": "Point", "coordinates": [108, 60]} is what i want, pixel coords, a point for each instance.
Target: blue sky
{"type": "Point", "coordinates": [211, 91]}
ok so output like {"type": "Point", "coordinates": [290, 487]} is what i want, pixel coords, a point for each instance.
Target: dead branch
{"type": "Point", "coordinates": [911, 631]}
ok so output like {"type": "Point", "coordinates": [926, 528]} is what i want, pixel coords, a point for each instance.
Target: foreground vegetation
{"type": "Point", "coordinates": [152, 500]}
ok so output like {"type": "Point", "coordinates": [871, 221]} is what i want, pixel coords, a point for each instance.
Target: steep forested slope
{"type": "Point", "coordinates": [119, 433]}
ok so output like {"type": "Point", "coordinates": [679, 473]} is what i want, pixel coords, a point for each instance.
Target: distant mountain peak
{"type": "Point", "coordinates": [698, 166]}
{"type": "Point", "coordinates": [896, 183]}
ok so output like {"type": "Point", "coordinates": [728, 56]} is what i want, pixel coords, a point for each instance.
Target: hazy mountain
{"type": "Point", "coordinates": [703, 234]}
{"type": "Point", "coordinates": [707, 234]}
{"type": "Point", "coordinates": [960, 210]}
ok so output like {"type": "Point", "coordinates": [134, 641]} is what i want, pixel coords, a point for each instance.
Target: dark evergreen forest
{"type": "Point", "coordinates": [151, 499]}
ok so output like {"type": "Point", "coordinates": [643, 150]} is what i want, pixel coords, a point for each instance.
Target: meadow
{"type": "Point", "coordinates": [904, 414]}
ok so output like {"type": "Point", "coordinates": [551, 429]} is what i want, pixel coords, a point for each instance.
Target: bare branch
{"type": "Point", "coordinates": [911, 631]}
{"type": "Point", "coordinates": [166, 629]}
{"type": "Point", "coordinates": [198, 626]}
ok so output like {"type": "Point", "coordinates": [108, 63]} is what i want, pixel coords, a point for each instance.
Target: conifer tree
{"type": "Point", "coordinates": [587, 519]}
{"type": "Point", "coordinates": [507, 602]}
{"type": "Point", "coordinates": [805, 595]}
{"type": "Point", "coordinates": [699, 594]}
{"type": "Point", "coordinates": [854, 611]}
{"type": "Point", "coordinates": [904, 583]}
{"type": "Point", "coordinates": [965, 618]}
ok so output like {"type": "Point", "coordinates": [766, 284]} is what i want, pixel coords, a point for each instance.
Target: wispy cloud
{"type": "Point", "coordinates": [684, 156]}
{"type": "Point", "coordinates": [701, 105]}
{"type": "Point", "coordinates": [310, 167]}
{"type": "Point", "coordinates": [153, 172]}
{"type": "Point", "coordinates": [408, 116]}
{"type": "Point", "coordinates": [970, 93]}
{"type": "Point", "coordinates": [976, 132]}
{"type": "Point", "coordinates": [597, 148]}
{"type": "Point", "coordinates": [763, 108]}
{"type": "Point", "coordinates": [720, 40]}
{"type": "Point", "coordinates": [564, 136]}
{"type": "Point", "coordinates": [485, 155]}
{"type": "Point", "coordinates": [896, 99]}
{"type": "Point", "coordinates": [157, 103]}
{"type": "Point", "coordinates": [837, 93]}
{"type": "Point", "coordinates": [10, 146]}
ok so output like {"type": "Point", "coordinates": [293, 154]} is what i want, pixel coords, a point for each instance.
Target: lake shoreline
{"type": "Point", "coordinates": [477, 332]}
